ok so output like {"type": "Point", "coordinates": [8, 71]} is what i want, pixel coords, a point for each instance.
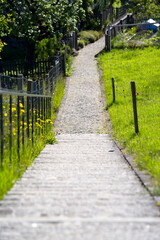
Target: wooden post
{"type": "Point", "coordinates": [108, 39]}
{"type": "Point", "coordinates": [113, 89]}
{"type": "Point", "coordinates": [133, 88]}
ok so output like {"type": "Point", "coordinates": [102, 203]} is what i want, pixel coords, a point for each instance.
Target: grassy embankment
{"type": "Point", "coordinates": [143, 67]}
{"type": "Point", "coordinates": [11, 172]}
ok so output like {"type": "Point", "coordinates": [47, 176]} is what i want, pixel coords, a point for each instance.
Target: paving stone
{"type": "Point", "coordinates": [81, 188]}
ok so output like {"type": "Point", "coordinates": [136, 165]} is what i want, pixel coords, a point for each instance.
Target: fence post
{"type": "Point", "coordinates": [1, 125]}
{"type": "Point", "coordinates": [34, 91]}
{"type": "Point", "coordinates": [47, 83]}
{"type": "Point", "coordinates": [20, 88]}
{"type": "Point", "coordinates": [0, 80]}
{"type": "Point", "coordinates": [64, 62]}
{"type": "Point", "coordinates": [117, 12]}
{"type": "Point", "coordinates": [19, 99]}
{"type": "Point", "coordinates": [133, 88]}
{"type": "Point", "coordinates": [1, 129]}
{"type": "Point", "coordinates": [76, 40]}
{"type": "Point", "coordinates": [113, 89]}
{"type": "Point", "coordinates": [29, 90]}
{"type": "Point", "coordinates": [51, 80]}
{"type": "Point", "coordinates": [108, 39]}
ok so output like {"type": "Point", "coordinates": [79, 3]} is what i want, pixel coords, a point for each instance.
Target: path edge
{"type": "Point", "coordinates": [141, 175]}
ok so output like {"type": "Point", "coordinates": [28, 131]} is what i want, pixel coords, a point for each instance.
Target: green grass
{"type": "Point", "coordinates": [11, 172]}
{"type": "Point", "coordinates": [88, 36]}
{"type": "Point", "coordinates": [57, 97]}
{"type": "Point", "coordinates": [143, 67]}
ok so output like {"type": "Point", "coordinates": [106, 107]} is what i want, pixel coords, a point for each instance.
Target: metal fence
{"type": "Point", "coordinates": [113, 14]}
{"type": "Point", "coordinates": [32, 69]}
{"type": "Point", "coordinates": [25, 107]}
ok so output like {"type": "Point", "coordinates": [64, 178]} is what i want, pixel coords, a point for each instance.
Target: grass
{"type": "Point", "coordinates": [86, 37]}
{"type": "Point", "coordinates": [143, 67]}
{"type": "Point", "coordinates": [12, 171]}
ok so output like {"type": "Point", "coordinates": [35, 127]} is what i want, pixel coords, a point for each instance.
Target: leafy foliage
{"type": "Point", "coordinates": [46, 48]}
{"type": "Point", "coordinates": [145, 8]}
{"type": "Point", "coordinates": [38, 19]}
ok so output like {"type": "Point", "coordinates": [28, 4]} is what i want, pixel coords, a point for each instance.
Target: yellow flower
{"type": "Point", "coordinates": [4, 107]}
{"type": "Point", "coordinates": [38, 125]}
{"type": "Point", "coordinates": [22, 111]}
{"type": "Point", "coordinates": [5, 124]}
{"type": "Point", "coordinates": [14, 133]}
{"type": "Point", "coordinates": [13, 109]}
{"type": "Point", "coordinates": [21, 105]}
{"type": "Point", "coordinates": [48, 120]}
{"type": "Point", "coordinates": [5, 114]}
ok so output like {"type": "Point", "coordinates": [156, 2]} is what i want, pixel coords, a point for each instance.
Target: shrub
{"type": "Point", "coordinates": [46, 48]}
{"type": "Point", "coordinates": [81, 43]}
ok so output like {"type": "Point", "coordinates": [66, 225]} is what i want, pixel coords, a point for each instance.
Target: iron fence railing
{"type": "Point", "coordinates": [25, 108]}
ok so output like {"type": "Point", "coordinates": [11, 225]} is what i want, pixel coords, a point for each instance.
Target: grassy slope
{"type": "Point", "coordinates": [143, 67]}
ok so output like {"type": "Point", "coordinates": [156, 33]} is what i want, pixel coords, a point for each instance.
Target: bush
{"type": "Point", "coordinates": [46, 48]}
{"type": "Point", "coordinates": [89, 36]}
{"type": "Point", "coordinates": [81, 43]}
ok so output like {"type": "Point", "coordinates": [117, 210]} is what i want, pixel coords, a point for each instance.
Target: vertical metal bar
{"type": "Point", "coordinates": [39, 113]}
{"type": "Point", "coordinates": [23, 114]}
{"type": "Point", "coordinates": [64, 62]}
{"type": "Point", "coordinates": [18, 128]}
{"type": "Point", "coordinates": [50, 107]}
{"type": "Point", "coordinates": [0, 80]}
{"type": "Point", "coordinates": [42, 113]}
{"type": "Point", "coordinates": [10, 128]}
{"type": "Point", "coordinates": [47, 106]}
{"type": "Point", "coordinates": [21, 99]}
{"type": "Point", "coordinates": [28, 105]}
{"type": "Point", "coordinates": [29, 90]}
{"type": "Point", "coordinates": [1, 129]}
{"type": "Point", "coordinates": [133, 88]}
{"type": "Point", "coordinates": [32, 119]}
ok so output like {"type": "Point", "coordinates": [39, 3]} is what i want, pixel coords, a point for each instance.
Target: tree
{"type": "Point", "coordinates": [3, 26]}
{"type": "Point", "coordinates": [145, 8]}
{"type": "Point", "coordinates": [38, 19]}
{"type": "Point", "coordinates": [34, 20]}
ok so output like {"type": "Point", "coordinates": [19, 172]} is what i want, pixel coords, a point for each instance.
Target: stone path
{"type": "Point", "coordinates": [81, 188]}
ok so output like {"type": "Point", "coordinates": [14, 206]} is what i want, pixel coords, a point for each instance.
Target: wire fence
{"type": "Point", "coordinates": [133, 89]}
{"type": "Point", "coordinates": [133, 80]}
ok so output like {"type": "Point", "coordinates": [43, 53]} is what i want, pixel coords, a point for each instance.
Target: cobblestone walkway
{"type": "Point", "coordinates": [81, 188]}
